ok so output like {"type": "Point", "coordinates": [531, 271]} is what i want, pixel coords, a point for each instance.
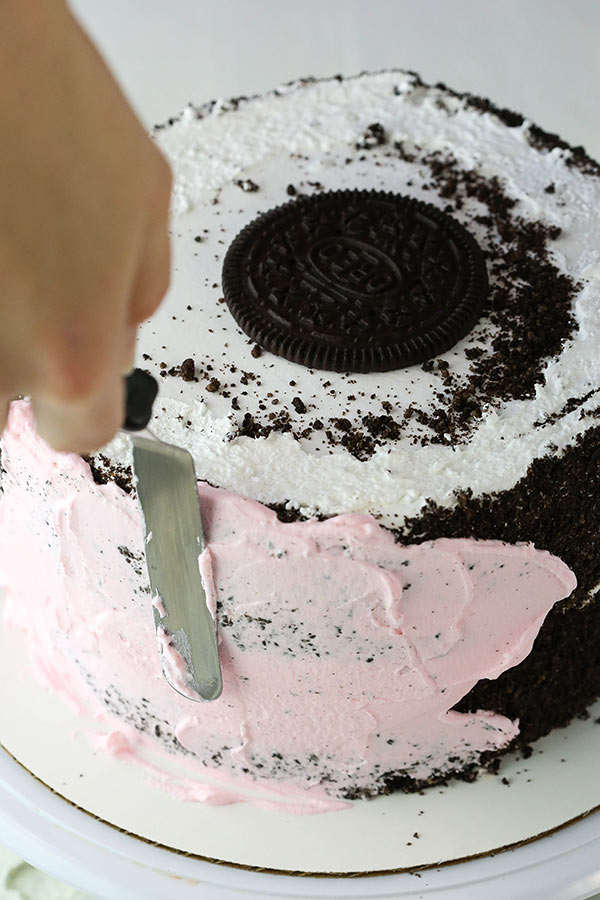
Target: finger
{"type": "Point", "coordinates": [80, 402]}
{"type": "Point", "coordinates": [154, 262]}
{"type": "Point", "coordinates": [152, 278]}
{"type": "Point", "coordinates": [4, 411]}
{"type": "Point", "coordinates": [86, 425]}
{"type": "Point", "coordinates": [82, 348]}
{"type": "Point", "coordinates": [129, 351]}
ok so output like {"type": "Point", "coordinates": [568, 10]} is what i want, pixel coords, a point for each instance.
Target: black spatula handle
{"type": "Point", "coordinates": [142, 389]}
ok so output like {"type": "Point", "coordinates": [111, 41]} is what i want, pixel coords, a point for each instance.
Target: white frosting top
{"type": "Point", "coordinates": [304, 135]}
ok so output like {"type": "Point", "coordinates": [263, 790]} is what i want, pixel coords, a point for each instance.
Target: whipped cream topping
{"type": "Point", "coordinates": [304, 135]}
{"type": "Point", "coordinates": [343, 652]}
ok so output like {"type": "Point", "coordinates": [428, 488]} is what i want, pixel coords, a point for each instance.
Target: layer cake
{"type": "Point", "coordinates": [399, 490]}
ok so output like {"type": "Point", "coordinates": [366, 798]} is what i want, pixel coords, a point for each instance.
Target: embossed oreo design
{"type": "Point", "coordinates": [356, 281]}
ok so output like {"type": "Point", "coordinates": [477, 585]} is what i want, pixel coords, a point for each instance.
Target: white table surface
{"type": "Point", "coordinates": [539, 57]}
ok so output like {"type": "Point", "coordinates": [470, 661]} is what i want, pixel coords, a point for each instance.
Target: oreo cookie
{"type": "Point", "coordinates": [355, 281]}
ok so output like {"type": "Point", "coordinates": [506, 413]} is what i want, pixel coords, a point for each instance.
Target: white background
{"type": "Point", "coordinates": [539, 57]}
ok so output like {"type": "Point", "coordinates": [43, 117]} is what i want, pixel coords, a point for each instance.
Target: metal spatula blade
{"type": "Point", "coordinates": [168, 496]}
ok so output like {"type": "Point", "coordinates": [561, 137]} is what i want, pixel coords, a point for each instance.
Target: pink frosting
{"type": "Point", "coordinates": [343, 652]}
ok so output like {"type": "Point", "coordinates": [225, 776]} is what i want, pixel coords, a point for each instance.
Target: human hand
{"type": "Point", "coordinates": [84, 247]}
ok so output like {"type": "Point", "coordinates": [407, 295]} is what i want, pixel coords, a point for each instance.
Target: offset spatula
{"type": "Point", "coordinates": [168, 495]}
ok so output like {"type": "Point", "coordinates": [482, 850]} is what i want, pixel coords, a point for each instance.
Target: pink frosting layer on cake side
{"type": "Point", "coordinates": [343, 651]}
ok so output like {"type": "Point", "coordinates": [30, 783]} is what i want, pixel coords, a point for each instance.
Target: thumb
{"type": "Point", "coordinates": [84, 426]}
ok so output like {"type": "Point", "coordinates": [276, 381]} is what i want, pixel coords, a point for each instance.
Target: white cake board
{"type": "Point", "coordinates": [107, 864]}
{"type": "Point", "coordinates": [557, 785]}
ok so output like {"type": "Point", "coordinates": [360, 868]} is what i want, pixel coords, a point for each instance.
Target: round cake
{"type": "Point", "coordinates": [380, 347]}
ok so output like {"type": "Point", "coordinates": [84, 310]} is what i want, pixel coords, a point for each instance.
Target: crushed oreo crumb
{"type": "Point", "coordinates": [187, 369]}
{"type": "Point", "coordinates": [374, 136]}
{"type": "Point", "coordinates": [104, 471]}
{"type": "Point", "coordinates": [247, 185]}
